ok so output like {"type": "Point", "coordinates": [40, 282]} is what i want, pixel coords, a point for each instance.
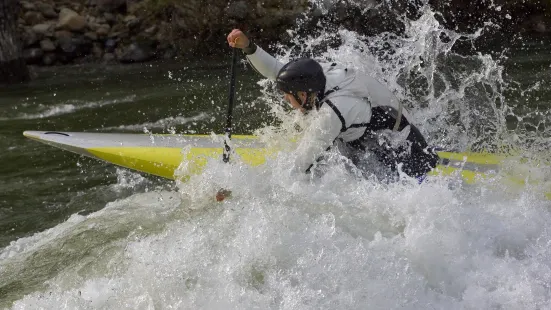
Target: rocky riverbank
{"type": "Point", "coordinates": [68, 31]}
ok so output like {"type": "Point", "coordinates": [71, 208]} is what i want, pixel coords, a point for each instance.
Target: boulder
{"type": "Point", "coordinates": [92, 36]}
{"type": "Point", "coordinates": [29, 38]}
{"type": "Point", "coordinates": [33, 56]}
{"type": "Point", "coordinates": [47, 10]}
{"type": "Point", "coordinates": [94, 26]}
{"type": "Point", "coordinates": [43, 29]}
{"type": "Point", "coordinates": [74, 47]}
{"type": "Point", "coordinates": [109, 18]}
{"type": "Point", "coordinates": [33, 18]}
{"type": "Point", "coordinates": [238, 10]}
{"type": "Point", "coordinates": [47, 45]}
{"type": "Point", "coordinates": [151, 30]}
{"type": "Point", "coordinates": [71, 20]}
{"type": "Point", "coordinates": [103, 30]}
{"type": "Point", "coordinates": [137, 52]}
{"type": "Point", "coordinates": [63, 35]}
{"type": "Point", "coordinates": [28, 6]}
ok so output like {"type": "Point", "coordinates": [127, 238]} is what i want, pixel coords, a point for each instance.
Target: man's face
{"type": "Point", "coordinates": [294, 103]}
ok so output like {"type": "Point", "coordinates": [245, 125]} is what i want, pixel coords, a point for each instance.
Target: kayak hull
{"type": "Point", "coordinates": [161, 155]}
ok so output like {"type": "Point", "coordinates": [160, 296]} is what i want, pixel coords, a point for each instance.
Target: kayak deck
{"type": "Point", "coordinates": [161, 155]}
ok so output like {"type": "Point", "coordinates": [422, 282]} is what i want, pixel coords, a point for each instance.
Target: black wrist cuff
{"type": "Point", "coordinates": [251, 49]}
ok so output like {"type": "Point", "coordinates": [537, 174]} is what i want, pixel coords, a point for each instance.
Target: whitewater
{"type": "Point", "coordinates": [336, 241]}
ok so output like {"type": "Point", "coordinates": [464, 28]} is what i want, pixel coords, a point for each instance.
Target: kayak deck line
{"type": "Point", "coordinates": [162, 154]}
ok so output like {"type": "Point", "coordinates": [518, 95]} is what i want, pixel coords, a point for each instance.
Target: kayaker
{"type": "Point", "coordinates": [353, 111]}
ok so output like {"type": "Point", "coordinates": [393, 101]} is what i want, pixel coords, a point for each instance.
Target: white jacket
{"type": "Point", "coordinates": [350, 100]}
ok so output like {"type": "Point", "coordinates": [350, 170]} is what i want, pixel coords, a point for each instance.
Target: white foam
{"type": "Point", "coordinates": [68, 107]}
{"type": "Point", "coordinates": [335, 242]}
{"type": "Point", "coordinates": [284, 241]}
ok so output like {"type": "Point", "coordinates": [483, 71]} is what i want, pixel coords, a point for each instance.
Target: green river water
{"type": "Point", "coordinates": [40, 186]}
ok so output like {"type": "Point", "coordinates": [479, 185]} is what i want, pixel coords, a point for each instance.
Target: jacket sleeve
{"type": "Point", "coordinates": [320, 135]}
{"type": "Point", "coordinates": [265, 63]}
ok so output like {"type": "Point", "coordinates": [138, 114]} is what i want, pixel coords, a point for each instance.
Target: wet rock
{"type": "Point", "coordinates": [47, 45]}
{"type": "Point", "coordinates": [70, 20]}
{"type": "Point", "coordinates": [29, 37]}
{"type": "Point", "coordinates": [238, 10]}
{"type": "Point", "coordinates": [94, 26]}
{"type": "Point", "coordinates": [63, 35]}
{"type": "Point", "coordinates": [132, 22]}
{"type": "Point", "coordinates": [47, 10]}
{"type": "Point", "coordinates": [28, 6]}
{"type": "Point", "coordinates": [33, 18]}
{"type": "Point", "coordinates": [33, 56]}
{"type": "Point", "coordinates": [92, 36]}
{"type": "Point", "coordinates": [137, 52]}
{"type": "Point", "coordinates": [49, 59]}
{"type": "Point", "coordinates": [103, 30]}
{"type": "Point", "coordinates": [151, 30]}
{"type": "Point", "coordinates": [74, 47]}
{"type": "Point", "coordinates": [43, 30]}
{"type": "Point", "coordinates": [109, 18]}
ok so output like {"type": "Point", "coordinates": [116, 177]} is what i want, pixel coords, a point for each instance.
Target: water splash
{"type": "Point", "coordinates": [338, 241]}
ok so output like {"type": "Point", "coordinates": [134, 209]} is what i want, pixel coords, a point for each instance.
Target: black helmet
{"type": "Point", "coordinates": [303, 74]}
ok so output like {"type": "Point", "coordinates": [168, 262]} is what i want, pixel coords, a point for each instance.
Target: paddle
{"type": "Point", "coordinates": [223, 193]}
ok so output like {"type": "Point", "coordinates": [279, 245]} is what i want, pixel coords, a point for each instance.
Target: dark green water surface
{"type": "Point", "coordinates": [41, 186]}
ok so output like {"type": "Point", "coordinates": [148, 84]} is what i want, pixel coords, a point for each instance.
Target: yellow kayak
{"type": "Point", "coordinates": [161, 155]}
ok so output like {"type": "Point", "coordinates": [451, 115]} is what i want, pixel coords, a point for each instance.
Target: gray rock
{"type": "Point", "coordinates": [110, 18]}
{"type": "Point", "coordinates": [28, 6]}
{"type": "Point", "coordinates": [47, 10]}
{"type": "Point", "coordinates": [71, 20]}
{"type": "Point", "coordinates": [137, 52]}
{"type": "Point", "coordinates": [103, 30]}
{"type": "Point", "coordinates": [63, 35]}
{"type": "Point", "coordinates": [129, 18]}
{"type": "Point", "coordinates": [42, 29]}
{"type": "Point", "coordinates": [238, 10]}
{"type": "Point", "coordinates": [94, 26]}
{"type": "Point", "coordinates": [33, 55]}
{"type": "Point", "coordinates": [29, 37]}
{"type": "Point", "coordinates": [151, 30]}
{"type": "Point", "coordinates": [33, 18]}
{"type": "Point", "coordinates": [47, 45]}
{"type": "Point", "coordinates": [91, 35]}
{"type": "Point", "coordinates": [74, 47]}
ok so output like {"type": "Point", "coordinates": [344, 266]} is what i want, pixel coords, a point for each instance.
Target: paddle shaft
{"type": "Point", "coordinates": [231, 96]}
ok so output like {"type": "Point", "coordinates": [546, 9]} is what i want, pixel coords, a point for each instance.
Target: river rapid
{"type": "Point", "coordinates": [76, 233]}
